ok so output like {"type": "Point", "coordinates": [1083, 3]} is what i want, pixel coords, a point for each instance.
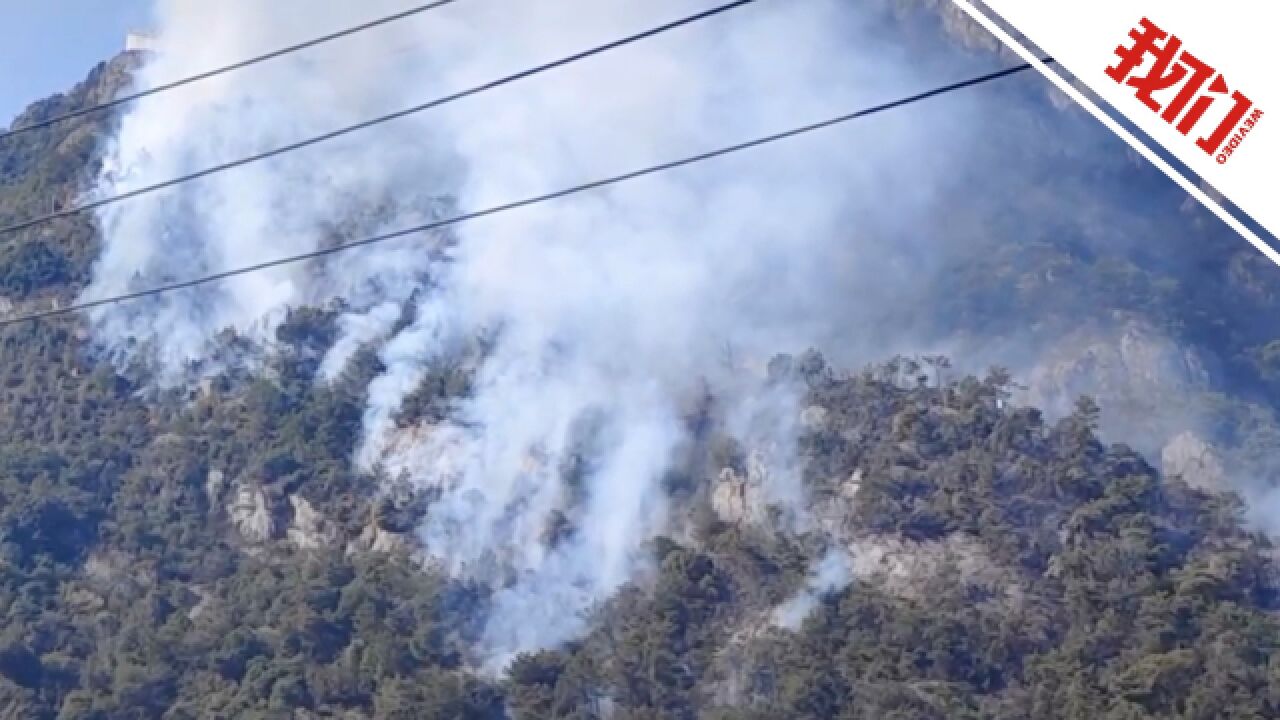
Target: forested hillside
{"type": "Point", "coordinates": [214, 551]}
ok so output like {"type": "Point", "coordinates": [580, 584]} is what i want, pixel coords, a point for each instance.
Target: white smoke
{"type": "Point", "coordinates": [830, 574]}
{"type": "Point", "coordinates": [605, 309]}
{"type": "Point", "coordinates": [291, 204]}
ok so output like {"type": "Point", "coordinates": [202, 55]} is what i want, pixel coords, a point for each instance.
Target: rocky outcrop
{"type": "Point", "coordinates": [1132, 360]}
{"type": "Point", "coordinates": [1252, 275]}
{"type": "Point", "coordinates": [378, 540]}
{"type": "Point", "coordinates": [203, 601]}
{"type": "Point", "coordinates": [1195, 461]}
{"type": "Point", "coordinates": [108, 569]}
{"type": "Point", "coordinates": [259, 518]}
{"type": "Point", "coordinates": [814, 418]}
{"type": "Point", "coordinates": [82, 600]}
{"type": "Point", "coordinates": [849, 488]}
{"type": "Point", "coordinates": [262, 521]}
{"type": "Point", "coordinates": [215, 483]}
{"type": "Point", "coordinates": [1149, 387]}
{"type": "Point", "coordinates": [740, 498]}
{"type": "Point", "coordinates": [250, 514]}
{"type": "Point", "coordinates": [309, 529]}
{"type": "Point", "coordinates": [906, 567]}
{"type": "Point", "coordinates": [835, 512]}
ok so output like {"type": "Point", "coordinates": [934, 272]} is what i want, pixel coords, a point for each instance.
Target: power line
{"type": "Point", "coordinates": [535, 200]}
{"type": "Point", "coordinates": [127, 99]}
{"type": "Point", "coordinates": [476, 90]}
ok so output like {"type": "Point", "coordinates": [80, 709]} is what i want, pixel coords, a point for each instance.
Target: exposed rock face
{"type": "Point", "coordinates": [259, 520]}
{"type": "Point", "coordinates": [1131, 361]}
{"type": "Point", "coordinates": [814, 417]}
{"type": "Point", "coordinates": [1195, 461]}
{"type": "Point", "coordinates": [378, 540]}
{"type": "Point", "coordinates": [1149, 387]}
{"type": "Point", "coordinates": [214, 485]}
{"type": "Point", "coordinates": [309, 528]}
{"type": "Point", "coordinates": [737, 498]}
{"type": "Point", "coordinates": [109, 578]}
{"type": "Point", "coordinates": [204, 599]}
{"type": "Point", "coordinates": [83, 600]}
{"type": "Point", "coordinates": [111, 570]}
{"type": "Point", "coordinates": [250, 514]}
{"type": "Point", "coordinates": [1252, 275]}
{"type": "Point", "coordinates": [398, 447]}
{"type": "Point", "coordinates": [849, 488]}
{"type": "Point", "coordinates": [835, 514]}
{"type": "Point", "coordinates": [906, 567]}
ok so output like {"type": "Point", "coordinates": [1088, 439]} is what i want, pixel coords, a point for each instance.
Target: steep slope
{"type": "Point", "coordinates": [215, 551]}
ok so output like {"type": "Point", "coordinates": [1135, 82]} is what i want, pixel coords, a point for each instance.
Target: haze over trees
{"type": "Point", "coordinates": [214, 550]}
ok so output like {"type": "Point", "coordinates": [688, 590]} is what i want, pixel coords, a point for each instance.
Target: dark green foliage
{"type": "Point", "coordinates": [1096, 588]}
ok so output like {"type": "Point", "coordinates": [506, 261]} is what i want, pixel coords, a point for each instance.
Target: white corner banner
{"type": "Point", "coordinates": [1200, 79]}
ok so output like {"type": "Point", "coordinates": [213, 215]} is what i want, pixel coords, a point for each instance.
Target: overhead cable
{"type": "Point", "coordinates": [340, 132]}
{"type": "Point", "coordinates": [529, 201]}
{"type": "Point", "coordinates": [165, 87]}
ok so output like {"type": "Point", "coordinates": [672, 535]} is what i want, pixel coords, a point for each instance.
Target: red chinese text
{"type": "Point", "coordinates": [1198, 86]}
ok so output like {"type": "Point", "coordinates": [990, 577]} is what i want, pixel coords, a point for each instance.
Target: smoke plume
{"type": "Point", "coordinates": [831, 574]}
{"type": "Point", "coordinates": [603, 312]}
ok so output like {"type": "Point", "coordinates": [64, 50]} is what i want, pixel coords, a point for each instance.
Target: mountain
{"type": "Point", "coordinates": [215, 549]}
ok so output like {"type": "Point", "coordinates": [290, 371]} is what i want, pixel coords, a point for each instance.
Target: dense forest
{"type": "Point", "coordinates": [212, 551]}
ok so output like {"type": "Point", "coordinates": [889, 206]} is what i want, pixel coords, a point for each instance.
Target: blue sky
{"type": "Point", "coordinates": [49, 45]}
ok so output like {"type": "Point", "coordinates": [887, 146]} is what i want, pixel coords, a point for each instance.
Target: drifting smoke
{"type": "Point", "coordinates": [831, 574]}
{"type": "Point", "coordinates": [604, 312]}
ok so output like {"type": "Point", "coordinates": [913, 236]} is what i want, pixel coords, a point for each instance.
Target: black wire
{"type": "Point", "coordinates": [537, 199]}
{"type": "Point", "coordinates": [126, 99]}
{"type": "Point", "coordinates": [378, 120]}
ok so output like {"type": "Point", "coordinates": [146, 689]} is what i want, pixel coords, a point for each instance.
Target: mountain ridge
{"type": "Point", "coordinates": [214, 551]}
